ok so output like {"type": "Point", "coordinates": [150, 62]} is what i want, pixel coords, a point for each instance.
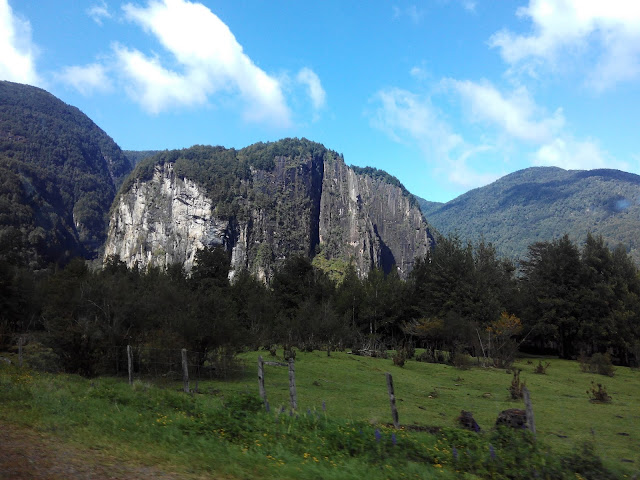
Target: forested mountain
{"type": "Point", "coordinates": [427, 206]}
{"type": "Point", "coordinates": [265, 203]}
{"type": "Point", "coordinates": [59, 173]}
{"type": "Point", "coordinates": [544, 203]}
{"type": "Point", "coordinates": [136, 156]}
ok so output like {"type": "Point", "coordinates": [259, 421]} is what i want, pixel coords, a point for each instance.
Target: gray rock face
{"type": "Point", "coordinates": [300, 205]}
{"type": "Point", "coordinates": [163, 221]}
{"type": "Point", "coordinates": [369, 221]}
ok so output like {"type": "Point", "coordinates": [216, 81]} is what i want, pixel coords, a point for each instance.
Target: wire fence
{"type": "Point", "coordinates": [147, 362]}
{"type": "Point", "coordinates": [167, 364]}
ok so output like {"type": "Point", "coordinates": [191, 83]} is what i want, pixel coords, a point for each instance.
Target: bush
{"type": "Point", "coordinates": [289, 353]}
{"type": "Point", "coordinates": [540, 368]}
{"type": "Point", "coordinates": [431, 355]}
{"type": "Point", "coordinates": [515, 389]}
{"type": "Point", "coordinates": [587, 464]}
{"type": "Point", "coordinates": [399, 358]}
{"type": "Point", "coordinates": [41, 358]}
{"type": "Point", "coordinates": [409, 350]}
{"type": "Point", "coordinates": [462, 360]}
{"type": "Point", "coordinates": [599, 363]}
{"type": "Point", "coordinates": [243, 404]}
{"type": "Point", "coordinates": [598, 393]}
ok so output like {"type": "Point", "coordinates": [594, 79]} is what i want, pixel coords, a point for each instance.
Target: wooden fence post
{"type": "Point", "coordinates": [20, 341]}
{"type": "Point", "coordinates": [292, 385]}
{"type": "Point", "coordinates": [185, 370]}
{"type": "Point", "coordinates": [263, 393]}
{"type": "Point", "coordinates": [392, 400]}
{"type": "Point", "coordinates": [529, 410]}
{"type": "Point", "coordinates": [130, 363]}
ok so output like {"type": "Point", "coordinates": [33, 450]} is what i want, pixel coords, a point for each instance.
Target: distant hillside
{"type": "Point", "coordinates": [136, 156]}
{"type": "Point", "coordinates": [427, 206]}
{"type": "Point", "coordinates": [543, 203]}
{"type": "Point", "coordinates": [59, 174]}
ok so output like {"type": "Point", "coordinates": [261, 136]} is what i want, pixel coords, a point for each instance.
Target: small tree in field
{"type": "Point", "coordinates": [502, 347]}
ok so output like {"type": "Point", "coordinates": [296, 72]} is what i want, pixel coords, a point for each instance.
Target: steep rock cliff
{"type": "Point", "coordinates": [263, 203]}
{"type": "Point", "coordinates": [369, 220]}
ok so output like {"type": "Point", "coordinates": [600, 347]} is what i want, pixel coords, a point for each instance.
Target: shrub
{"type": "Point", "coordinates": [462, 360]}
{"type": "Point", "coordinates": [289, 353]}
{"type": "Point", "coordinates": [587, 464]}
{"type": "Point", "coordinates": [515, 389]}
{"type": "Point", "coordinates": [399, 358]}
{"type": "Point", "coordinates": [598, 393]}
{"type": "Point", "coordinates": [540, 368]}
{"type": "Point", "coordinates": [41, 358]}
{"type": "Point", "coordinates": [599, 363]}
{"type": "Point", "coordinates": [426, 356]}
{"type": "Point", "coordinates": [243, 404]}
{"type": "Point", "coordinates": [409, 350]}
{"type": "Point", "coordinates": [431, 355]}
{"type": "Point", "coordinates": [466, 421]}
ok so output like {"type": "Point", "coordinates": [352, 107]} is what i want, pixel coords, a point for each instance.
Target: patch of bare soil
{"type": "Point", "coordinates": [27, 454]}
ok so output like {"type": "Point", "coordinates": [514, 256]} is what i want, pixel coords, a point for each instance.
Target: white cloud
{"type": "Point", "coordinates": [571, 154]}
{"type": "Point", "coordinates": [99, 12]}
{"type": "Point", "coordinates": [460, 173]}
{"type": "Point", "coordinates": [210, 61]}
{"type": "Point", "coordinates": [469, 5]}
{"type": "Point", "coordinates": [516, 113]}
{"type": "Point", "coordinates": [412, 12]}
{"type": "Point", "coordinates": [157, 88]}
{"type": "Point", "coordinates": [408, 118]}
{"type": "Point", "coordinates": [412, 120]}
{"type": "Point", "coordinates": [318, 96]}
{"type": "Point", "coordinates": [419, 73]}
{"type": "Point", "coordinates": [563, 30]}
{"type": "Point", "coordinates": [86, 79]}
{"type": "Point", "coordinates": [17, 52]}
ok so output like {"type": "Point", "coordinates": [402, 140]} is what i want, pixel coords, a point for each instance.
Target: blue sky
{"type": "Point", "coordinates": [447, 95]}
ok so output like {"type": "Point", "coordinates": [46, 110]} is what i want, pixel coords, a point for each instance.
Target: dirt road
{"type": "Point", "coordinates": [26, 454]}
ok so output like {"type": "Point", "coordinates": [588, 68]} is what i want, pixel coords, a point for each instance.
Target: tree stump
{"type": "Point", "coordinates": [513, 417]}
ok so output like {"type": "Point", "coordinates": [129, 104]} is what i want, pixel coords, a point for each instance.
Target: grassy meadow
{"type": "Point", "coordinates": [342, 426]}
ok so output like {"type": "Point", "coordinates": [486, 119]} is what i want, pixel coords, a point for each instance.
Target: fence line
{"type": "Point", "coordinates": [186, 364]}
{"type": "Point", "coordinates": [174, 364]}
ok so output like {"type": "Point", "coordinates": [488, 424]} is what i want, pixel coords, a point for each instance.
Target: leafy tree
{"type": "Point", "coordinates": [551, 278]}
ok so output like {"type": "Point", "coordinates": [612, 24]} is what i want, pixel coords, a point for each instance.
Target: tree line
{"type": "Point", "coordinates": [461, 298]}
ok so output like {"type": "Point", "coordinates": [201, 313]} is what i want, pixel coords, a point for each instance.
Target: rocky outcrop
{"type": "Point", "coordinates": [163, 221]}
{"type": "Point", "coordinates": [303, 204]}
{"type": "Point", "coordinates": [369, 221]}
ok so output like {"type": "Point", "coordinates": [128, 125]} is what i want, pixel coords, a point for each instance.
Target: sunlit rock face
{"type": "Point", "coordinates": [162, 221]}
{"type": "Point", "coordinates": [300, 207]}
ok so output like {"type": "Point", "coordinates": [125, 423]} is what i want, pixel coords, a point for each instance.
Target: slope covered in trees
{"type": "Point", "coordinates": [544, 203]}
{"type": "Point", "coordinates": [136, 156]}
{"type": "Point", "coordinates": [58, 176]}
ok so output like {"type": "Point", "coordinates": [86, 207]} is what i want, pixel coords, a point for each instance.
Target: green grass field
{"type": "Point", "coordinates": [354, 387]}
{"type": "Point", "coordinates": [352, 438]}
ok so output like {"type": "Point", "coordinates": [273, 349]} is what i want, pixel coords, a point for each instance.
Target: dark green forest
{"type": "Point", "coordinates": [461, 299]}
{"type": "Point", "coordinates": [59, 174]}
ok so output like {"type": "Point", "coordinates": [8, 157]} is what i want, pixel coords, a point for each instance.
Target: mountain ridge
{"type": "Point", "coordinates": [544, 203]}
{"type": "Point", "coordinates": [59, 172]}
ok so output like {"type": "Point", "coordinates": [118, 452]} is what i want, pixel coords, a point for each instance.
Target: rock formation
{"type": "Point", "coordinates": [300, 203]}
